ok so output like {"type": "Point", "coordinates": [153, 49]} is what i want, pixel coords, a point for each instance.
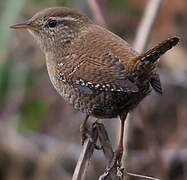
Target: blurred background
{"type": "Point", "coordinates": [39, 133]}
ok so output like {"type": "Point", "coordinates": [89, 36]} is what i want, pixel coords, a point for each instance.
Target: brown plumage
{"type": "Point", "coordinates": [93, 69]}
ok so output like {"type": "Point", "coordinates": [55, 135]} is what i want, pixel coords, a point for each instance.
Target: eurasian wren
{"type": "Point", "coordinates": [93, 69]}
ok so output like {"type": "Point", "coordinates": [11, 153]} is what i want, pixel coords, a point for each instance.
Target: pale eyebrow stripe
{"type": "Point", "coordinates": [67, 18]}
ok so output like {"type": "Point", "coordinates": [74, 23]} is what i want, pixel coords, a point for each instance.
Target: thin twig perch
{"type": "Point", "coordinates": [146, 25]}
{"type": "Point", "coordinates": [85, 156]}
{"type": "Point", "coordinates": [98, 17]}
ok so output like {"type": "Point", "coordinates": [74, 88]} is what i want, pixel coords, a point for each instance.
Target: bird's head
{"type": "Point", "coordinates": [55, 27]}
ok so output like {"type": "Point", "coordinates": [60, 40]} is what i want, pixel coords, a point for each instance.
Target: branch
{"type": "Point", "coordinates": [141, 41]}
{"type": "Point", "coordinates": [146, 25]}
{"type": "Point", "coordinates": [105, 142]}
{"type": "Point", "coordinates": [141, 176]}
{"type": "Point", "coordinates": [85, 156]}
{"type": "Point", "coordinates": [107, 150]}
{"type": "Point", "coordinates": [98, 17]}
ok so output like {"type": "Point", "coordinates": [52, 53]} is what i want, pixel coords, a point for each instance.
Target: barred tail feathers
{"type": "Point", "coordinates": [146, 63]}
{"type": "Point", "coordinates": [152, 55]}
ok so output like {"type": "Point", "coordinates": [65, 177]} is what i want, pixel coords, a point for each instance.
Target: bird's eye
{"type": "Point", "coordinates": [52, 23]}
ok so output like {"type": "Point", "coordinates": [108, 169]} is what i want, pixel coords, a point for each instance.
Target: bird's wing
{"type": "Point", "coordinates": [88, 74]}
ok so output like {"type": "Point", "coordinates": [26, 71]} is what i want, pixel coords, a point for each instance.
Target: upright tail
{"type": "Point", "coordinates": [154, 53]}
{"type": "Point", "coordinates": [144, 68]}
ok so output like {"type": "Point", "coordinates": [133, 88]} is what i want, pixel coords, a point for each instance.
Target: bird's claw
{"type": "Point", "coordinates": [115, 163]}
{"type": "Point", "coordinates": [87, 134]}
{"type": "Point", "coordinates": [98, 146]}
{"type": "Point", "coordinates": [116, 160]}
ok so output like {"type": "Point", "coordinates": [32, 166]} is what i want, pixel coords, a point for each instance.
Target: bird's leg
{"type": "Point", "coordinates": [84, 131]}
{"type": "Point", "coordinates": [116, 160]}
{"type": "Point", "coordinates": [119, 150]}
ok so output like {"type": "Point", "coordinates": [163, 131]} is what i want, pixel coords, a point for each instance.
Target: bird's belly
{"type": "Point", "coordinates": [103, 104]}
{"type": "Point", "coordinates": [112, 104]}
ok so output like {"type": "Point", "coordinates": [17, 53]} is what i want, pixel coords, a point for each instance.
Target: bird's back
{"type": "Point", "coordinates": [95, 72]}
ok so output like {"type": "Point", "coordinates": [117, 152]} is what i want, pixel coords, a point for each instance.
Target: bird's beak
{"type": "Point", "coordinates": [24, 25]}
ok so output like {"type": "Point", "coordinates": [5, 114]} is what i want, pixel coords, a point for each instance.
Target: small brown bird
{"type": "Point", "coordinates": [93, 69]}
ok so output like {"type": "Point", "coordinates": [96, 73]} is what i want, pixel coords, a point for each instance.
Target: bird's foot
{"type": "Point", "coordinates": [116, 160]}
{"type": "Point", "coordinates": [115, 165]}
{"type": "Point", "coordinates": [119, 175]}
{"type": "Point", "coordinates": [86, 133]}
